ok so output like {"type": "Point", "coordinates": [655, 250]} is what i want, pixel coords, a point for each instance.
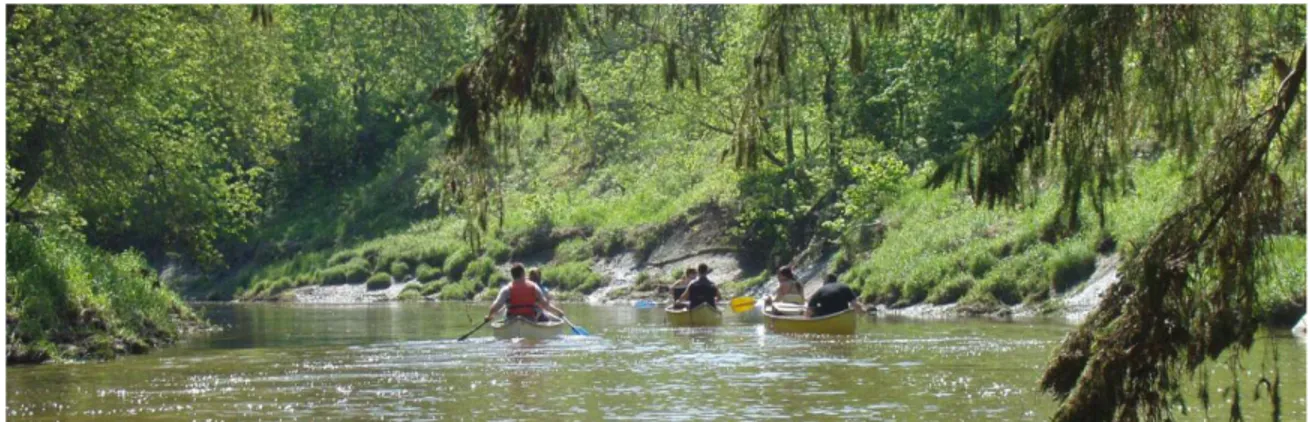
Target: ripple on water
{"type": "Point", "coordinates": [357, 363]}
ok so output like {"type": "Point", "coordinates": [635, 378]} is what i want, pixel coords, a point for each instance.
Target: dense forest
{"type": "Point", "coordinates": [980, 155]}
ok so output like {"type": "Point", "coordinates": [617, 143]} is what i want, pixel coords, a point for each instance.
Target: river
{"type": "Point", "coordinates": [400, 361]}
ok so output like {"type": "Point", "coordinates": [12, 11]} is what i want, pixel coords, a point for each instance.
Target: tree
{"type": "Point", "coordinates": [153, 122]}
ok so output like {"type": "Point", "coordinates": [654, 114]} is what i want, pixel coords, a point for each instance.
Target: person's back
{"type": "Point", "coordinates": [680, 286]}
{"type": "Point", "coordinates": [832, 298]}
{"type": "Point", "coordinates": [702, 290]}
{"type": "Point", "coordinates": [522, 296]}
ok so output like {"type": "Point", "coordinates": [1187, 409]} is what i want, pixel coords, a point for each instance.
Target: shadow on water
{"type": "Point", "coordinates": [402, 361]}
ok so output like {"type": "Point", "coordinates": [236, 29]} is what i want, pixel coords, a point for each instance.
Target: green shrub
{"type": "Point", "coordinates": [1280, 291]}
{"type": "Point", "coordinates": [434, 255]}
{"type": "Point", "coordinates": [479, 271]}
{"type": "Point", "coordinates": [411, 293]}
{"type": "Point", "coordinates": [572, 276]}
{"type": "Point", "coordinates": [59, 289]}
{"type": "Point", "coordinates": [576, 249]}
{"type": "Point", "coordinates": [352, 271]}
{"type": "Point", "coordinates": [1072, 263]}
{"type": "Point", "coordinates": [498, 278]}
{"type": "Point", "coordinates": [426, 273]}
{"type": "Point", "coordinates": [342, 257]}
{"type": "Point", "coordinates": [434, 287]}
{"type": "Point", "coordinates": [378, 281]}
{"type": "Point", "coordinates": [496, 250]}
{"type": "Point", "coordinates": [458, 291]}
{"type": "Point", "coordinates": [456, 263]}
{"type": "Point", "coordinates": [951, 290]}
{"type": "Point", "coordinates": [399, 268]}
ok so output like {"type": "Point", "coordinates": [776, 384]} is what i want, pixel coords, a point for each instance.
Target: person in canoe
{"type": "Point", "coordinates": [534, 275]}
{"type": "Point", "coordinates": [702, 290]}
{"type": "Point", "coordinates": [832, 298]}
{"type": "Point", "coordinates": [679, 287]}
{"type": "Point", "coordinates": [789, 290]}
{"type": "Point", "coordinates": [521, 298]}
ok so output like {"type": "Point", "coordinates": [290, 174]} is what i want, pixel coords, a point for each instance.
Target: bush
{"type": "Point", "coordinates": [352, 271]}
{"type": "Point", "coordinates": [432, 255]}
{"type": "Point", "coordinates": [572, 276]}
{"type": "Point", "coordinates": [576, 249]}
{"type": "Point", "coordinates": [1071, 264]}
{"type": "Point", "coordinates": [479, 271]}
{"type": "Point", "coordinates": [411, 293]}
{"type": "Point", "coordinates": [399, 268]}
{"type": "Point", "coordinates": [952, 290]}
{"type": "Point", "coordinates": [457, 262]}
{"type": "Point", "coordinates": [496, 250]}
{"type": "Point", "coordinates": [378, 281]}
{"type": "Point", "coordinates": [426, 273]}
{"type": "Point", "coordinates": [458, 291]}
{"type": "Point", "coordinates": [61, 290]}
{"type": "Point", "coordinates": [434, 287]}
{"type": "Point", "coordinates": [342, 257]}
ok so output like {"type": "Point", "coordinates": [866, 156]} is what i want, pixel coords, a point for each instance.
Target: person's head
{"type": "Point", "coordinates": [516, 272]}
{"type": "Point", "coordinates": [784, 273]}
{"type": "Point", "coordinates": [690, 273]}
{"type": "Point", "coordinates": [830, 278]}
{"type": "Point", "coordinates": [534, 274]}
{"type": "Point", "coordinates": [703, 269]}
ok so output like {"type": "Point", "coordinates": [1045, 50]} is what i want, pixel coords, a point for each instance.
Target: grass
{"type": "Point", "coordinates": [575, 276]}
{"type": "Point", "coordinates": [67, 293]}
{"type": "Point", "coordinates": [940, 248]}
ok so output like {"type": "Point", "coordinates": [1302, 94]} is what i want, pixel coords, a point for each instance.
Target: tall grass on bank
{"type": "Point", "coordinates": [941, 248]}
{"type": "Point", "coordinates": [69, 300]}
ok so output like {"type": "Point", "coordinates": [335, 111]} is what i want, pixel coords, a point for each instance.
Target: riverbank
{"type": "Point", "coordinates": [71, 301]}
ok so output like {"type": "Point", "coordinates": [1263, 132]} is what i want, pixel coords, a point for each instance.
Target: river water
{"type": "Point", "coordinates": [400, 361]}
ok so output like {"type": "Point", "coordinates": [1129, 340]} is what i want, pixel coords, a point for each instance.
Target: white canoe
{"type": "Point", "coordinates": [518, 327]}
{"type": "Point", "coordinates": [702, 316]}
{"type": "Point", "coordinates": [839, 323]}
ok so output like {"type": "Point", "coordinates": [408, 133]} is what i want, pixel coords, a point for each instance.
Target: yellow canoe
{"type": "Point", "coordinates": [839, 323]}
{"type": "Point", "coordinates": [518, 327]}
{"type": "Point", "coordinates": [703, 315]}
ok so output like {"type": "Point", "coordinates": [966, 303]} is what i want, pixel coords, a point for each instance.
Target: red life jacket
{"type": "Point", "coordinates": [522, 299]}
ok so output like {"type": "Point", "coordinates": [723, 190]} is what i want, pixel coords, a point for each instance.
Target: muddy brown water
{"type": "Point", "coordinates": [401, 362]}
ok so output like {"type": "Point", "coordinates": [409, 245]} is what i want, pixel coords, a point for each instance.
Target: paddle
{"type": "Point", "coordinates": [576, 329]}
{"type": "Point", "coordinates": [475, 329]}
{"type": "Point", "coordinates": [644, 304]}
{"type": "Point", "coordinates": [742, 304]}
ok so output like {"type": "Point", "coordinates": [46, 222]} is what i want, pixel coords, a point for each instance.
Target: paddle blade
{"type": "Point", "coordinates": [578, 330]}
{"type": "Point", "coordinates": [742, 304]}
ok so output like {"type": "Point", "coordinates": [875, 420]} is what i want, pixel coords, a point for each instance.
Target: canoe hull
{"type": "Point", "coordinates": [841, 323]}
{"type": "Point", "coordinates": [522, 328]}
{"type": "Point", "coordinates": [701, 316]}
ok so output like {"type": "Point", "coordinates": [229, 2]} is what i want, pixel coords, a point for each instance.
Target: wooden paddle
{"type": "Point", "coordinates": [742, 304]}
{"type": "Point", "coordinates": [475, 329]}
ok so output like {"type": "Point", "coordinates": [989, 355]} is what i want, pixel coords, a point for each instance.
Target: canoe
{"type": "Point", "coordinates": [519, 327]}
{"type": "Point", "coordinates": [839, 323]}
{"type": "Point", "coordinates": [785, 309]}
{"type": "Point", "coordinates": [703, 315]}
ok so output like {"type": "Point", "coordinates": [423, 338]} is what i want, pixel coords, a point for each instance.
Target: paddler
{"type": "Point", "coordinates": [702, 290]}
{"type": "Point", "coordinates": [523, 298]}
{"type": "Point", "coordinates": [832, 298]}
{"type": "Point", "coordinates": [789, 290]}
{"type": "Point", "coordinates": [679, 287]}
